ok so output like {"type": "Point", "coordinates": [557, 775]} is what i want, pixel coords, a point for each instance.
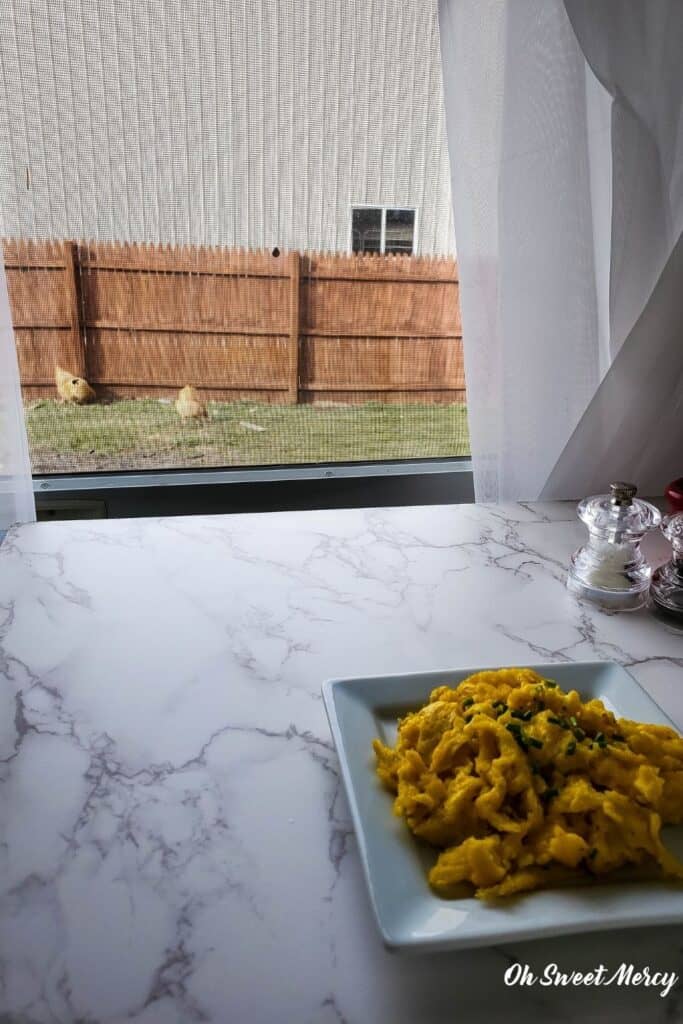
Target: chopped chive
{"type": "Point", "coordinates": [524, 741]}
{"type": "Point", "coordinates": [600, 739]}
{"type": "Point", "coordinates": [573, 721]}
{"type": "Point", "coordinates": [550, 683]}
{"type": "Point", "coordinates": [579, 733]}
{"type": "Point", "coordinates": [523, 715]}
{"type": "Point", "coordinates": [499, 704]}
{"type": "Point", "coordinates": [571, 747]}
{"type": "Point", "coordinates": [468, 703]}
{"type": "Point", "coordinates": [562, 722]}
{"type": "Point", "coordinates": [516, 731]}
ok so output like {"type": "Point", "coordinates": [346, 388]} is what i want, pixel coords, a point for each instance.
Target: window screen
{"type": "Point", "coordinates": [176, 183]}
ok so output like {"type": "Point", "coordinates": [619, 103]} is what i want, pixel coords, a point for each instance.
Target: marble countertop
{"type": "Point", "coordinates": [174, 842]}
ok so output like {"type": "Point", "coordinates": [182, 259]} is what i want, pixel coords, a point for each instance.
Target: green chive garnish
{"type": "Point", "coordinates": [468, 703]}
{"type": "Point", "coordinates": [564, 724]}
{"type": "Point", "coordinates": [516, 731]}
{"type": "Point", "coordinates": [524, 741]}
{"type": "Point", "coordinates": [571, 747]}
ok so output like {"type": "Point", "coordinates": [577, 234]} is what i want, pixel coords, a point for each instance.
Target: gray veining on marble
{"type": "Point", "coordinates": [174, 842]}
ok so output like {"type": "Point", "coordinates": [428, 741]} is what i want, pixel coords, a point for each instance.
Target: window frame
{"type": "Point", "coordinates": [303, 486]}
{"type": "Point", "coordinates": [383, 208]}
{"type": "Point", "coordinates": [143, 493]}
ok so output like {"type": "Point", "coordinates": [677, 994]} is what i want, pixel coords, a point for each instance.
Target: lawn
{"type": "Point", "coordinates": [148, 434]}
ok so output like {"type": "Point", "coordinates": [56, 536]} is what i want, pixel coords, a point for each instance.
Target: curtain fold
{"type": "Point", "coordinates": [633, 426]}
{"type": "Point", "coordinates": [563, 128]}
{"type": "Point", "coordinates": [16, 486]}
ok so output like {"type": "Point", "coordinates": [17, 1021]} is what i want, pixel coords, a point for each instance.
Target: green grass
{"type": "Point", "coordinates": [148, 434]}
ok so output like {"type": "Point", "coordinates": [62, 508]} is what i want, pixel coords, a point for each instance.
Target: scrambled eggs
{"type": "Point", "coordinates": [521, 785]}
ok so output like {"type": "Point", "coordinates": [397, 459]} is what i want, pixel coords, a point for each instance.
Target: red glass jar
{"type": "Point", "coordinates": [674, 495]}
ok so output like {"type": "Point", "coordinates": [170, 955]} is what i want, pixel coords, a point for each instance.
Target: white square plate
{"type": "Point", "coordinates": [410, 916]}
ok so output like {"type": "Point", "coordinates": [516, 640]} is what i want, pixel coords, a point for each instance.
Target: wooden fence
{"type": "Point", "coordinates": [143, 320]}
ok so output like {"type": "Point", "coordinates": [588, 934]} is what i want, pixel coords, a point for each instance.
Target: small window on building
{"type": "Point", "coordinates": [382, 229]}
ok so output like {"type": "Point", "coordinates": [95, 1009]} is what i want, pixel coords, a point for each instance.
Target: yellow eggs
{"type": "Point", "coordinates": [522, 785]}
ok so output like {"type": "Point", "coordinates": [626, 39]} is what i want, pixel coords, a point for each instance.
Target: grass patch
{"type": "Point", "coordinates": [148, 434]}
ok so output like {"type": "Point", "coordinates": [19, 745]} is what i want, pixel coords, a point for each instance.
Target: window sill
{"type": "Point", "coordinates": [262, 489]}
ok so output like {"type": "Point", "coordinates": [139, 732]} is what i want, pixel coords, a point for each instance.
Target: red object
{"type": "Point", "coordinates": [674, 495]}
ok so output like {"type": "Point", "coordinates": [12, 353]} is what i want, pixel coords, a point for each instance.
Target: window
{"type": "Point", "coordinates": [383, 229]}
{"type": "Point", "coordinates": [176, 194]}
{"type": "Point", "coordinates": [367, 227]}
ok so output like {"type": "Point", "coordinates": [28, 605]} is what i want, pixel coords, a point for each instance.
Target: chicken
{"type": "Point", "coordinates": [72, 389]}
{"type": "Point", "coordinates": [189, 405]}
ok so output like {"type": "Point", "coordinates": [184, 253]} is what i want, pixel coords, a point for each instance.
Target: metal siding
{"type": "Point", "coordinates": [253, 122]}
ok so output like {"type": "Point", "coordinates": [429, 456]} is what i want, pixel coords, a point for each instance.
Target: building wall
{"type": "Point", "coordinates": [240, 122]}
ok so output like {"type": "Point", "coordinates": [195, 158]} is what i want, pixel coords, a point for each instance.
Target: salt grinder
{"type": "Point", "coordinates": [610, 569]}
{"type": "Point", "coordinates": [667, 581]}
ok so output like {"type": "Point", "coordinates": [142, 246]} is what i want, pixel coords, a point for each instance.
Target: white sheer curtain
{"type": "Point", "coordinates": [564, 133]}
{"type": "Point", "coordinates": [16, 489]}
